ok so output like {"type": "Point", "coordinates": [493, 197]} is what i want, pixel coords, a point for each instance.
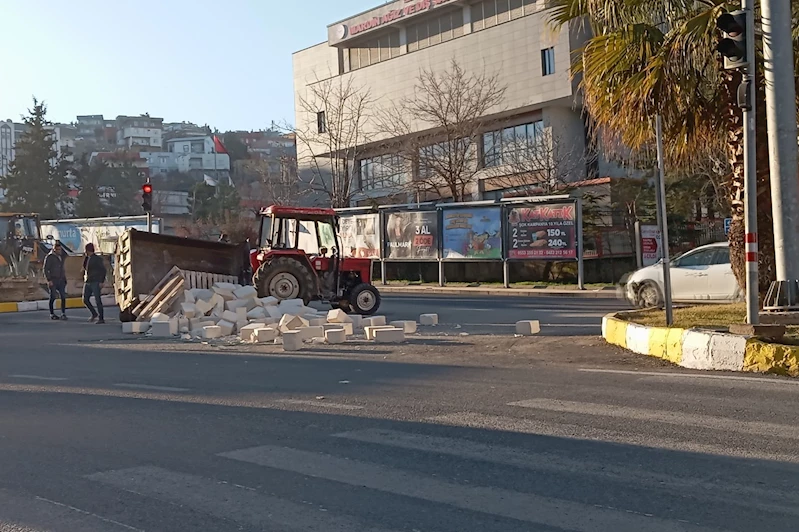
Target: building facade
{"type": "Point", "coordinates": [383, 51]}
{"type": "Point", "coordinates": [188, 155]}
{"type": "Point", "coordinates": [135, 131]}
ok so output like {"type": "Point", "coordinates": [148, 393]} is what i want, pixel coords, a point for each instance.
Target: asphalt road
{"type": "Point", "coordinates": [482, 434]}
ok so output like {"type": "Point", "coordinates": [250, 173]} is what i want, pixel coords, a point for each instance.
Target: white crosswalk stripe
{"type": "Point", "coordinates": [495, 501]}
{"type": "Point", "coordinates": [227, 501]}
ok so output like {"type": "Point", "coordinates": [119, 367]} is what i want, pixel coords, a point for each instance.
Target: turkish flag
{"type": "Point", "coordinates": [218, 146]}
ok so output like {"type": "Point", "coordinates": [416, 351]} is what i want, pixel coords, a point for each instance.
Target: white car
{"type": "Point", "coordinates": [702, 274]}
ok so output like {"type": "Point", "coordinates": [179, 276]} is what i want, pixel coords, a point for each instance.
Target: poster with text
{"type": "Point", "coordinates": [473, 233]}
{"type": "Point", "coordinates": [543, 232]}
{"type": "Point", "coordinates": [651, 244]}
{"type": "Point", "coordinates": [412, 235]}
{"type": "Point", "coordinates": [360, 236]}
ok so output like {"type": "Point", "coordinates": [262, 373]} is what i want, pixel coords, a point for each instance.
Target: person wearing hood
{"type": "Point", "coordinates": [93, 277]}
{"type": "Point", "coordinates": [56, 274]}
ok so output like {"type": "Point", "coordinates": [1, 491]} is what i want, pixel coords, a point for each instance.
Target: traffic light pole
{"type": "Point", "coordinates": [783, 295]}
{"type": "Point", "coordinates": [750, 171]}
{"type": "Point", "coordinates": [663, 222]}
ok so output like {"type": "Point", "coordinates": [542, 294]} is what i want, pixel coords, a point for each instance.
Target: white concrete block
{"type": "Point", "coordinates": [182, 323]}
{"type": "Point", "coordinates": [638, 339]}
{"type": "Point", "coordinates": [230, 316]}
{"type": "Point", "coordinates": [188, 297]}
{"type": "Point", "coordinates": [203, 307]}
{"type": "Point", "coordinates": [268, 301]}
{"type": "Point", "coordinates": [528, 327]}
{"type": "Point", "coordinates": [428, 319]}
{"type": "Point", "coordinates": [408, 326]}
{"type": "Point", "coordinates": [307, 312]}
{"type": "Point", "coordinates": [227, 327]}
{"type": "Point", "coordinates": [377, 320]}
{"type": "Point", "coordinates": [44, 305]}
{"type": "Point", "coordinates": [224, 286]}
{"type": "Point", "coordinates": [212, 331]}
{"type": "Point", "coordinates": [357, 320]}
{"type": "Point", "coordinates": [227, 295]}
{"type": "Point", "coordinates": [162, 329]}
{"type": "Point", "coordinates": [309, 333]}
{"type": "Point", "coordinates": [292, 302]}
{"type": "Point", "coordinates": [727, 352]}
{"type": "Point", "coordinates": [241, 313]}
{"type": "Point", "coordinates": [390, 335]}
{"type": "Point", "coordinates": [273, 312]}
{"type": "Point", "coordinates": [338, 316]}
{"type": "Point", "coordinates": [371, 329]}
{"type": "Point", "coordinates": [317, 322]}
{"type": "Point", "coordinates": [188, 310]}
{"type": "Point", "coordinates": [336, 336]}
{"type": "Point", "coordinates": [265, 335]}
{"type": "Point", "coordinates": [245, 292]}
{"type": "Point", "coordinates": [135, 327]}
{"type": "Point", "coordinates": [159, 317]}
{"type": "Point", "coordinates": [219, 303]}
{"type": "Point", "coordinates": [256, 313]}
{"type": "Point", "coordinates": [202, 294]}
{"type": "Point", "coordinates": [290, 322]}
{"type": "Point", "coordinates": [292, 341]}
{"type": "Point", "coordinates": [32, 306]}
{"type": "Point", "coordinates": [247, 333]}
{"type": "Point", "coordinates": [348, 328]}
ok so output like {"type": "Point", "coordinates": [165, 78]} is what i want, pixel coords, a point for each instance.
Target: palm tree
{"type": "Point", "coordinates": [650, 57]}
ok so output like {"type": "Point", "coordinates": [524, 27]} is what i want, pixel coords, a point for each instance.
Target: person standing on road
{"type": "Point", "coordinates": [93, 277]}
{"type": "Point", "coordinates": [56, 274]}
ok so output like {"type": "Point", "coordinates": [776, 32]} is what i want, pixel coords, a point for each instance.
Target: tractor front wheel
{"type": "Point", "coordinates": [284, 278]}
{"type": "Point", "coordinates": [364, 299]}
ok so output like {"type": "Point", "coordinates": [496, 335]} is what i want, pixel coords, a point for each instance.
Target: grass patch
{"type": "Point", "coordinates": [706, 316]}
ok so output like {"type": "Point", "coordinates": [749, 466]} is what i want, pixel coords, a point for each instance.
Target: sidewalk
{"type": "Point", "coordinates": [398, 289]}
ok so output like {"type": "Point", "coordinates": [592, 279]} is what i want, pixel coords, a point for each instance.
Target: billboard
{"type": "Point", "coordinates": [412, 235]}
{"type": "Point", "coordinates": [360, 236]}
{"type": "Point", "coordinates": [102, 232]}
{"type": "Point", "coordinates": [651, 244]}
{"type": "Point", "coordinates": [543, 232]}
{"type": "Point", "coordinates": [473, 234]}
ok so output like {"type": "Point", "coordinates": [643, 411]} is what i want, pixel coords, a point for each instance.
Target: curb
{"type": "Point", "coordinates": [504, 292]}
{"type": "Point", "coordinates": [32, 306]}
{"type": "Point", "coordinates": [699, 349]}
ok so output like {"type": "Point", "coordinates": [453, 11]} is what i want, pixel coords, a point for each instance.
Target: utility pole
{"type": "Point", "coordinates": [750, 169]}
{"type": "Point", "coordinates": [783, 295]}
{"type": "Point", "coordinates": [663, 222]}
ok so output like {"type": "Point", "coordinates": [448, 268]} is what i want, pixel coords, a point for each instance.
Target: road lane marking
{"type": "Point", "coordinates": [716, 489]}
{"type": "Point", "coordinates": [758, 428]}
{"type": "Point", "coordinates": [494, 501]}
{"type": "Point", "coordinates": [763, 380]}
{"type": "Point", "coordinates": [228, 501]}
{"type": "Point", "coordinates": [149, 387]}
{"type": "Point", "coordinates": [38, 378]}
{"type": "Point", "coordinates": [592, 433]}
{"type": "Point", "coordinates": [90, 514]}
{"type": "Point", "coordinates": [319, 404]}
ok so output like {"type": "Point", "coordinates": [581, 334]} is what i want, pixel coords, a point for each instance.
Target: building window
{"type": "Point", "coordinates": [321, 122]}
{"type": "Point", "coordinates": [489, 13]}
{"type": "Point", "coordinates": [434, 31]}
{"type": "Point", "coordinates": [547, 61]}
{"type": "Point", "coordinates": [381, 172]}
{"type": "Point", "coordinates": [512, 144]}
{"type": "Point", "coordinates": [374, 51]}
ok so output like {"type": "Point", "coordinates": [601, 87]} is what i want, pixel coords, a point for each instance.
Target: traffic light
{"type": "Point", "coordinates": [147, 197]}
{"type": "Point", "coordinates": [732, 45]}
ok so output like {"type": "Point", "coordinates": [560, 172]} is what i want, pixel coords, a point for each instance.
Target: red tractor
{"type": "Point", "coordinates": [299, 257]}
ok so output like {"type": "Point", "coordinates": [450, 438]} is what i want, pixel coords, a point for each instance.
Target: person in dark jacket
{"type": "Point", "coordinates": [93, 277]}
{"type": "Point", "coordinates": [56, 274]}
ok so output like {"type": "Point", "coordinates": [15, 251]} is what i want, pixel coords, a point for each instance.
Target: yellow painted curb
{"type": "Point", "coordinates": [74, 302]}
{"type": "Point", "coordinates": [666, 343]}
{"type": "Point", "coordinates": [761, 357]}
{"type": "Point", "coordinates": [616, 332]}
{"type": "Point", "coordinates": [8, 307]}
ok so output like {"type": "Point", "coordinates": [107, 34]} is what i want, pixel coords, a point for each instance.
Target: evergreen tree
{"type": "Point", "coordinates": [37, 179]}
{"type": "Point", "coordinates": [88, 177]}
{"type": "Point", "coordinates": [126, 183]}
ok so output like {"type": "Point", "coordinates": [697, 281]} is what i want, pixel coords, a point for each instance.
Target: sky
{"type": "Point", "coordinates": [225, 63]}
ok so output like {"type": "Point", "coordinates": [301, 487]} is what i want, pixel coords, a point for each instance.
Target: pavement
{"type": "Point", "coordinates": [483, 433]}
{"type": "Point", "coordinates": [498, 291]}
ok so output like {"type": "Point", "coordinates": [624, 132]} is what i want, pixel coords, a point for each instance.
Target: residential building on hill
{"type": "Point", "coordinates": [139, 131]}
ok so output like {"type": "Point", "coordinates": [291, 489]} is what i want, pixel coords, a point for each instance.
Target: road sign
{"type": "Point", "coordinates": [727, 224]}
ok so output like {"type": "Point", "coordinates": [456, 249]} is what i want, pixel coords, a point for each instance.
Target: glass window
{"type": "Point", "coordinates": [722, 256]}
{"type": "Point", "coordinates": [478, 17]}
{"type": "Point", "coordinates": [516, 9]}
{"type": "Point", "coordinates": [490, 13]}
{"type": "Point", "coordinates": [326, 235]}
{"type": "Point", "coordinates": [423, 34]}
{"type": "Point", "coordinates": [700, 258]}
{"type": "Point", "coordinates": [446, 27]}
{"type": "Point", "coordinates": [548, 61]}
{"type": "Point", "coordinates": [457, 23]}
{"type": "Point", "coordinates": [321, 122]}
{"type": "Point", "coordinates": [507, 145]}
{"type": "Point", "coordinates": [384, 171]}
{"type": "Point", "coordinates": [266, 232]}
{"type": "Point", "coordinates": [503, 11]}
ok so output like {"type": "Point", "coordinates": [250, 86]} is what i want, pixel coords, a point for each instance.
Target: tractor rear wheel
{"type": "Point", "coordinates": [284, 278]}
{"type": "Point", "coordinates": [364, 299]}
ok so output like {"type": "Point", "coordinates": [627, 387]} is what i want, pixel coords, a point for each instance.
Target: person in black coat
{"type": "Point", "coordinates": [94, 277]}
{"type": "Point", "coordinates": [56, 274]}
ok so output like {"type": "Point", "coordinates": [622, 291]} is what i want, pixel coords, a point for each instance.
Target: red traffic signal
{"type": "Point", "coordinates": [147, 188]}
{"type": "Point", "coordinates": [147, 197]}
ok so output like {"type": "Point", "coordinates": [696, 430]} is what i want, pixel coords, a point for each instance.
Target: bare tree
{"type": "Point", "coordinates": [266, 183]}
{"type": "Point", "coordinates": [449, 109]}
{"type": "Point", "coordinates": [334, 129]}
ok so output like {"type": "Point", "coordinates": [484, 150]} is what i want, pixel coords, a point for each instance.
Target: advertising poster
{"type": "Point", "coordinates": [103, 233]}
{"type": "Point", "coordinates": [360, 236]}
{"type": "Point", "coordinates": [412, 235]}
{"type": "Point", "coordinates": [543, 232]}
{"type": "Point", "coordinates": [473, 233]}
{"type": "Point", "coordinates": [651, 243]}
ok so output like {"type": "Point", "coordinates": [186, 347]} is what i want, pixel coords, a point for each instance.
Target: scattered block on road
{"type": "Point", "coordinates": [357, 320]}
{"type": "Point", "coordinates": [219, 303]}
{"type": "Point", "coordinates": [241, 313]}
{"type": "Point", "coordinates": [245, 292]}
{"type": "Point", "coordinates": [182, 323]}
{"type": "Point", "coordinates": [428, 319]}
{"type": "Point", "coordinates": [317, 322]}
{"type": "Point", "coordinates": [268, 301]}
{"type": "Point", "coordinates": [158, 316]}
{"type": "Point", "coordinates": [212, 331]}
{"type": "Point", "coordinates": [247, 333]}
{"type": "Point", "coordinates": [528, 327]}
{"type": "Point", "coordinates": [376, 320]}
{"type": "Point", "coordinates": [188, 310]}
{"type": "Point", "coordinates": [338, 316]}
{"type": "Point", "coordinates": [292, 341]}
{"type": "Point", "coordinates": [406, 325]}
{"type": "Point", "coordinates": [336, 336]}
{"type": "Point", "coordinates": [226, 295]}
{"type": "Point", "coordinates": [224, 286]}
{"type": "Point", "coordinates": [230, 316]}
{"type": "Point", "coordinates": [256, 313]}
{"type": "Point", "coordinates": [289, 322]}
{"type": "Point", "coordinates": [203, 307]}
{"type": "Point", "coordinates": [188, 297]}
{"type": "Point", "coordinates": [273, 312]}
{"type": "Point", "coordinates": [202, 294]}
{"type": "Point", "coordinates": [390, 335]}
{"type": "Point", "coordinates": [371, 329]}
{"type": "Point", "coordinates": [227, 327]}
{"type": "Point", "coordinates": [162, 329]}
{"type": "Point", "coordinates": [348, 327]}
{"type": "Point", "coordinates": [309, 333]}
{"type": "Point", "coordinates": [135, 327]}
{"type": "Point", "coordinates": [265, 335]}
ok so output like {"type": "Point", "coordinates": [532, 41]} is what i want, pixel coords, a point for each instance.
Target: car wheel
{"type": "Point", "coordinates": [649, 296]}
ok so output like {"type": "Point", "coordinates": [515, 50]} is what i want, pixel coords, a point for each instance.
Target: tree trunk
{"type": "Point", "coordinates": [735, 187]}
